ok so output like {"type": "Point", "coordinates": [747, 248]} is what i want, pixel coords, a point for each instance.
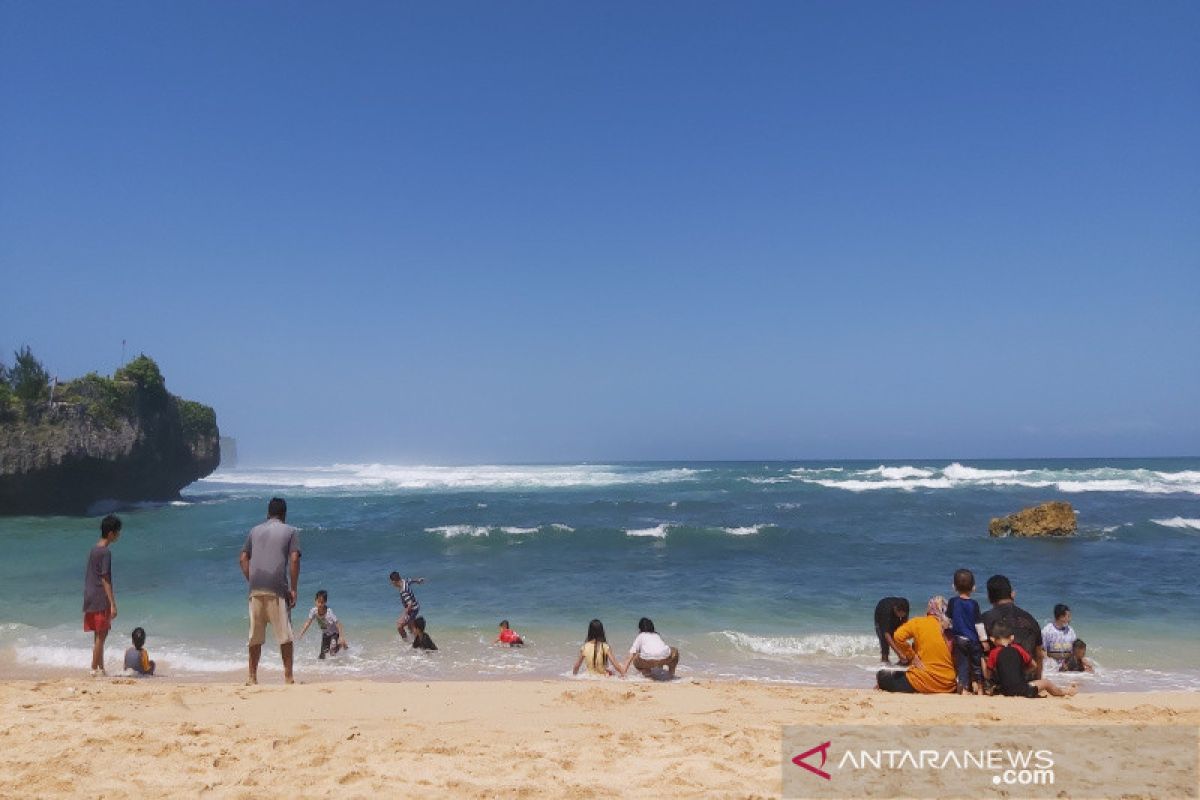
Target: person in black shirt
{"type": "Point", "coordinates": [890, 614]}
{"type": "Point", "coordinates": [1025, 629]}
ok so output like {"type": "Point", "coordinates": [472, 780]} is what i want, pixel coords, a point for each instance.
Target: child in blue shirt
{"type": "Point", "coordinates": [966, 623]}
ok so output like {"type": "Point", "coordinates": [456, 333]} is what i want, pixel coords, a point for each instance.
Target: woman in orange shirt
{"type": "Point", "coordinates": [932, 669]}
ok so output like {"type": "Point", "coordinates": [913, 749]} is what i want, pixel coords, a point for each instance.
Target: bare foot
{"type": "Point", "coordinates": [1071, 690]}
{"type": "Point", "coordinates": [288, 679]}
{"type": "Point", "coordinates": [252, 680]}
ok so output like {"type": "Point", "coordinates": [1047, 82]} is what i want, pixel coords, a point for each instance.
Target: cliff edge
{"type": "Point", "coordinates": [124, 438]}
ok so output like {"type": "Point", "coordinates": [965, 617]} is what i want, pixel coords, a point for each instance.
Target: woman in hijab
{"type": "Point", "coordinates": [923, 640]}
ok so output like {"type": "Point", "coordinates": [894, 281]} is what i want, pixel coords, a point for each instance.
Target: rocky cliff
{"type": "Point", "coordinates": [123, 438]}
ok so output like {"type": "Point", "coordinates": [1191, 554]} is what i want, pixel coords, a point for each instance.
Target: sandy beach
{"type": "Point", "coordinates": [119, 737]}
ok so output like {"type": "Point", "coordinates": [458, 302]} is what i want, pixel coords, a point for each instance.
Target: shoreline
{"type": "Point", "coordinates": [520, 738]}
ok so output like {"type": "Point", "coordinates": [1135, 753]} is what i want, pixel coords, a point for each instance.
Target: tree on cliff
{"type": "Point", "coordinates": [29, 379]}
{"type": "Point", "coordinates": [145, 373]}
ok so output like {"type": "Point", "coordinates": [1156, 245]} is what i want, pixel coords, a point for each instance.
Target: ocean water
{"type": "Point", "coordinates": [766, 571]}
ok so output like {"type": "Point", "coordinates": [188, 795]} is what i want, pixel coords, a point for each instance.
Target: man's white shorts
{"type": "Point", "coordinates": [266, 606]}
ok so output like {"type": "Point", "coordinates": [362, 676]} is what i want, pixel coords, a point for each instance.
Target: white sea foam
{"type": "Point", "coordinates": [955, 475]}
{"type": "Point", "coordinates": [841, 645]}
{"type": "Point", "coordinates": [746, 530]}
{"type": "Point", "coordinates": [1178, 522]}
{"type": "Point", "coordinates": [450, 531]}
{"type": "Point", "coordinates": [488, 477]}
{"type": "Point", "coordinates": [658, 531]}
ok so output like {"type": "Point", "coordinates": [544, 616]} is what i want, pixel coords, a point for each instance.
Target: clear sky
{"type": "Point", "coordinates": [449, 232]}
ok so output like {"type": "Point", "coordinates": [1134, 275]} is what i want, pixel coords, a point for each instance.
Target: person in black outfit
{"type": "Point", "coordinates": [1025, 629]}
{"type": "Point", "coordinates": [890, 614]}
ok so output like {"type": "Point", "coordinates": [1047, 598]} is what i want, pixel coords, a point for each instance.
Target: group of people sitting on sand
{"type": "Point", "coordinates": [956, 647]}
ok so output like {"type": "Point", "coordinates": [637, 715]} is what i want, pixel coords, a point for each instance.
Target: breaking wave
{"type": "Point", "coordinates": [841, 645]}
{"type": "Point", "coordinates": [386, 476]}
{"type": "Point", "coordinates": [955, 475]}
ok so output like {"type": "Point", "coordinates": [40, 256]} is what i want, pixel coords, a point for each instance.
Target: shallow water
{"type": "Point", "coordinates": [755, 570]}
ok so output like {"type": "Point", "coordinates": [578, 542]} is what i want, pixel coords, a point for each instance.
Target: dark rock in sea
{"type": "Point", "coordinates": [1048, 519]}
{"type": "Point", "coordinates": [105, 441]}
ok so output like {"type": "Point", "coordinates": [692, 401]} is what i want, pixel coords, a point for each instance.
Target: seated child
{"type": "Point", "coordinates": [137, 659]}
{"type": "Point", "coordinates": [1006, 665]}
{"type": "Point", "coordinates": [508, 636]}
{"type": "Point", "coordinates": [421, 639]}
{"type": "Point", "coordinates": [1078, 660]}
{"type": "Point", "coordinates": [333, 638]}
{"type": "Point", "coordinates": [1059, 635]}
{"type": "Point", "coordinates": [966, 626]}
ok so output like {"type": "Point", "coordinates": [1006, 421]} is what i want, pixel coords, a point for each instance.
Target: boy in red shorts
{"type": "Point", "coordinates": [99, 603]}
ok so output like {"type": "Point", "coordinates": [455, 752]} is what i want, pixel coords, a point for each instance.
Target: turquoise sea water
{"type": "Point", "coordinates": [757, 570]}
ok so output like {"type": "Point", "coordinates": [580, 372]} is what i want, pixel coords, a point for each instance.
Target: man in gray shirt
{"type": "Point", "coordinates": [270, 556]}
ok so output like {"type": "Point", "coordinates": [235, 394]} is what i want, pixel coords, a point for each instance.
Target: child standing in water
{"type": "Point", "coordinates": [333, 638]}
{"type": "Point", "coordinates": [412, 608]}
{"type": "Point", "coordinates": [99, 602]}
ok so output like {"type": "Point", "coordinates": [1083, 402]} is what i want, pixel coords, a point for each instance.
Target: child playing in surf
{"type": "Point", "coordinates": [421, 640]}
{"type": "Point", "coordinates": [508, 636]}
{"type": "Point", "coordinates": [333, 638]}
{"type": "Point", "coordinates": [1006, 665]}
{"type": "Point", "coordinates": [1078, 660]}
{"type": "Point", "coordinates": [137, 659]}
{"type": "Point", "coordinates": [412, 608]}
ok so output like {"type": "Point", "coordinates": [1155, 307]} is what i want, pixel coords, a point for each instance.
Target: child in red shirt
{"type": "Point", "coordinates": [1006, 665]}
{"type": "Point", "coordinates": [508, 636]}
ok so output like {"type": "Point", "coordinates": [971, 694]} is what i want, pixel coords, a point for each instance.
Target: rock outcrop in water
{"type": "Point", "coordinates": [1048, 519]}
{"type": "Point", "coordinates": [123, 438]}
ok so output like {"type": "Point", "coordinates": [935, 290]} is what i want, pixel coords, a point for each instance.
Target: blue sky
{"type": "Point", "coordinates": [521, 232]}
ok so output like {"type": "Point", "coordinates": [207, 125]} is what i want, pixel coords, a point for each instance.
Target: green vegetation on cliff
{"type": "Point", "coordinates": [64, 446]}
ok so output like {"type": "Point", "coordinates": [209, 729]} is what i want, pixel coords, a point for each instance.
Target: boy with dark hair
{"type": "Point", "coordinates": [966, 625]}
{"type": "Point", "coordinates": [421, 640]}
{"type": "Point", "coordinates": [137, 659]}
{"type": "Point", "coordinates": [1078, 660]}
{"type": "Point", "coordinates": [1007, 663]}
{"type": "Point", "coordinates": [1058, 635]}
{"type": "Point", "coordinates": [1024, 627]}
{"type": "Point", "coordinates": [99, 602]}
{"type": "Point", "coordinates": [890, 614]}
{"type": "Point", "coordinates": [333, 638]}
{"type": "Point", "coordinates": [409, 600]}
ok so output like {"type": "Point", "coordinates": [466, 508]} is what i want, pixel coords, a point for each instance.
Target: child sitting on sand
{"type": "Point", "coordinates": [421, 640]}
{"type": "Point", "coordinates": [596, 653]}
{"type": "Point", "coordinates": [1006, 665]}
{"type": "Point", "coordinates": [1078, 660]}
{"type": "Point", "coordinates": [508, 636]}
{"type": "Point", "coordinates": [137, 659]}
{"type": "Point", "coordinates": [333, 638]}
{"type": "Point", "coordinates": [411, 607]}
